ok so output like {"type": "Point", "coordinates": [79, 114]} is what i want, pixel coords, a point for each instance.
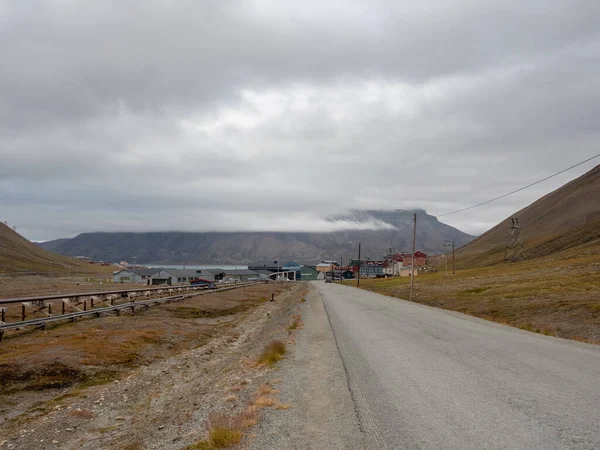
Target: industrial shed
{"type": "Point", "coordinates": [133, 275]}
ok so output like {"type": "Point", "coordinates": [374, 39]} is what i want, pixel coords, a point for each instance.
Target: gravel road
{"type": "Point", "coordinates": [422, 377]}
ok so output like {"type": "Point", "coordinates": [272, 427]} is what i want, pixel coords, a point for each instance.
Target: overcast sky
{"type": "Point", "coordinates": [262, 115]}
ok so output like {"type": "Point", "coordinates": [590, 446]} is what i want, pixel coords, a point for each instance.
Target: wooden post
{"type": "Point", "coordinates": [3, 311]}
{"type": "Point", "coordinates": [50, 308]}
{"type": "Point", "coordinates": [23, 312]}
{"type": "Point", "coordinates": [453, 259]}
{"type": "Point", "coordinates": [84, 304]}
{"type": "Point", "coordinates": [112, 301]}
{"type": "Point", "coordinates": [63, 307]}
{"type": "Point", "coordinates": [272, 297]}
{"type": "Point", "coordinates": [92, 302]}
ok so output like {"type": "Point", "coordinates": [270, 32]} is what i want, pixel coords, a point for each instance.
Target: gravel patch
{"type": "Point", "coordinates": [322, 414]}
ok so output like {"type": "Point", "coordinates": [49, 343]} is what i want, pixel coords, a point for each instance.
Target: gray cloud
{"type": "Point", "coordinates": [230, 115]}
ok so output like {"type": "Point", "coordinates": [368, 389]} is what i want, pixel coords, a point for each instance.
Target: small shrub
{"type": "Point", "coordinates": [302, 300]}
{"type": "Point", "coordinates": [296, 322]}
{"type": "Point", "coordinates": [272, 353]}
{"type": "Point", "coordinates": [249, 417]}
{"type": "Point", "coordinates": [223, 432]}
{"type": "Point", "coordinates": [265, 389]}
{"type": "Point", "coordinates": [263, 401]}
{"type": "Point", "coordinates": [526, 326]}
{"type": "Point", "coordinates": [221, 437]}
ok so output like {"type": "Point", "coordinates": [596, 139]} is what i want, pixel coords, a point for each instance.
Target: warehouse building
{"type": "Point", "coordinates": [308, 273]}
{"type": "Point", "coordinates": [184, 276]}
{"type": "Point", "coordinates": [133, 275]}
{"type": "Point", "coordinates": [281, 266]}
{"type": "Point", "coordinates": [242, 275]}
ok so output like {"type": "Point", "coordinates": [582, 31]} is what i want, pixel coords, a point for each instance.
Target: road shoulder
{"type": "Point", "coordinates": [322, 415]}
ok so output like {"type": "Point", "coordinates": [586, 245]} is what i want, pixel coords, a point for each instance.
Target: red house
{"type": "Point", "coordinates": [420, 259]}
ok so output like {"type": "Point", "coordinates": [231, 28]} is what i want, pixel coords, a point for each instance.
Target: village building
{"type": "Point", "coordinates": [326, 266]}
{"type": "Point", "coordinates": [241, 275]}
{"type": "Point", "coordinates": [133, 275]}
{"type": "Point", "coordinates": [185, 276]}
{"type": "Point", "coordinates": [309, 273]}
{"type": "Point", "coordinates": [420, 259]}
{"type": "Point", "coordinates": [292, 268]}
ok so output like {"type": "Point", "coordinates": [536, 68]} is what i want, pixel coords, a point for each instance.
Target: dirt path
{"type": "Point", "coordinates": [165, 404]}
{"type": "Point", "coordinates": [314, 383]}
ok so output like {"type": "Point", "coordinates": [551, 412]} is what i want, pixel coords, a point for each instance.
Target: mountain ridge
{"type": "Point", "coordinates": [18, 255]}
{"type": "Point", "coordinates": [175, 247]}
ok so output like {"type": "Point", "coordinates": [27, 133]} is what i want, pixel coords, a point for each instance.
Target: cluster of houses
{"type": "Point", "coordinates": [392, 265]}
{"type": "Point", "coordinates": [398, 264]}
{"type": "Point", "coordinates": [156, 276]}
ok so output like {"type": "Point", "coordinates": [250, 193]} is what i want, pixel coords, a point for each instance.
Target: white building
{"type": "Point", "coordinates": [184, 276]}
{"type": "Point", "coordinates": [133, 275]}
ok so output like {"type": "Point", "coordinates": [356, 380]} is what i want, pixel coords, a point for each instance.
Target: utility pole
{"type": "Point", "coordinates": [445, 255]}
{"type": "Point", "coordinates": [358, 279]}
{"type": "Point", "coordinates": [341, 267]}
{"type": "Point", "coordinates": [453, 259]}
{"type": "Point", "coordinates": [451, 244]}
{"type": "Point", "coordinates": [412, 264]}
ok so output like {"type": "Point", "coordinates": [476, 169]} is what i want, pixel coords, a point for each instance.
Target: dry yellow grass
{"type": "Point", "coordinates": [556, 295]}
{"type": "Point", "coordinates": [265, 389]}
{"type": "Point", "coordinates": [97, 351]}
{"type": "Point", "coordinates": [296, 323]}
{"type": "Point", "coordinates": [17, 254]}
{"type": "Point", "coordinates": [249, 417]}
{"type": "Point", "coordinates": [225, 431]}
{"type": "Point", "coordinates": [263, 401]}
{"type": "Point", "coordinates": [272, 353]}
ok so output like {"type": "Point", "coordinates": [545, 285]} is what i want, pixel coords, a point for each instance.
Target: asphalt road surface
{"type": "Point", "coordinates": [427, 378]}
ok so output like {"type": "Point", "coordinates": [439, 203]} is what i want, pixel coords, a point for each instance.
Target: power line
{"type": "Point", "coordinates": [520, 189]}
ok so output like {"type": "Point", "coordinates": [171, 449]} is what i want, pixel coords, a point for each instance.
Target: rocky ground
{"type": "Point", "coordinates": [175, 372]}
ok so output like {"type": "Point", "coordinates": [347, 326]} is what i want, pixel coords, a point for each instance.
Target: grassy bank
{"type": "Point", "coordinates": [558, 296]}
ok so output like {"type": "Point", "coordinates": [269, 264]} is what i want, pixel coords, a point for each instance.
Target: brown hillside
{"type": "Point", "coordinates": [567, 217]}
{"type": "Point", "coordinates": [17, 254]}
